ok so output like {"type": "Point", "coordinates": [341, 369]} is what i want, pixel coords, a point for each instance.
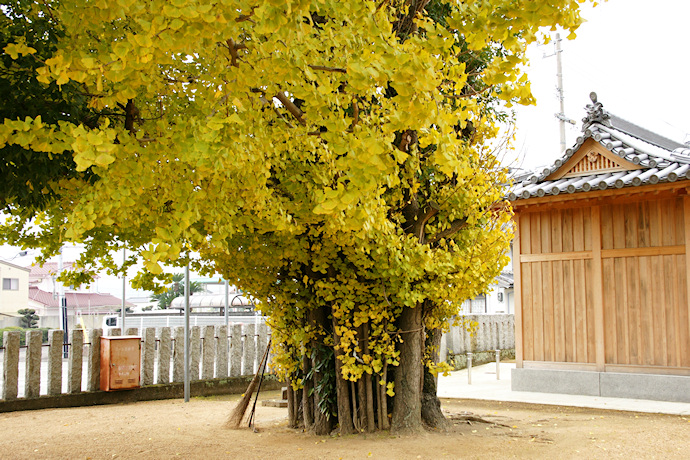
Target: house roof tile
{"type": "Point", "coordinates": [659, 159]}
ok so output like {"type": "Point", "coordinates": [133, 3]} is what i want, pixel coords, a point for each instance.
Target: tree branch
{"type": "Point", "coordinates": [291, 107]}
{"type": "Point", "coordinates": [328, 69]}
{"type": "Point", "coordinates": [455, 227]}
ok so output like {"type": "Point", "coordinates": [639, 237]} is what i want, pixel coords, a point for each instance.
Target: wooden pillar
{"type": "Point", "coordinates": [517, 298]}
{"type": "Point", "coordinates": [598, 290]}
{"type": "Point", "coordinates": [686, 221]}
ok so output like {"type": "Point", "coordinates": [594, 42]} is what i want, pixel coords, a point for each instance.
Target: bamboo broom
{"type": "Point", "coordinates": [240, 409]}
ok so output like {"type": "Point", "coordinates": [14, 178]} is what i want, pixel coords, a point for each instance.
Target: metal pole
{"type": "Point", "coordinates": [123, 309]}
{"type": "Point", "coordinates": [186, 333]}
{"type": "Point", "coordinates": [469, 368]}
{"type": "Point", "coordinates": [227, 303]}
{"type": "Point", "coordinates": [561, 96]}
{"type": "Point", "coordinates": [498, 364]}
{"type": "Point", "coordinates": [62, 309]}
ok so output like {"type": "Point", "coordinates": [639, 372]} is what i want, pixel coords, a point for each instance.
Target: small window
{"type": "Point", "coordinates": [10, 284]}
{"type": "Point", "coordinates": [110, 322]}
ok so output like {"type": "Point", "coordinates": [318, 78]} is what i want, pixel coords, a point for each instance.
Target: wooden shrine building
{"type": "Point", "coordinates": [601, 266]}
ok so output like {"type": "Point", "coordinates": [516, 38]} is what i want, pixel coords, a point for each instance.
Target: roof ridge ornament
{"type": "Point", "coordinates": [595, 113]}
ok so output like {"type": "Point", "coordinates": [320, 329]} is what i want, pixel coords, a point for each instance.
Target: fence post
{"type": "Point", "coordinates": [222, 352]}
{"type": "Point", "coordinates": [195, 352]}
{"type": "Point", "coordinates": [32, 376]}
{"type": "Point", "coordinates": [10, 365]}
{"type": "Point", "coordinates": [55, 361]}
{"type": "Point", "coordinates": [147, 355]}
{"type": "Point", "coordinates": [261, 344]}
{"type": "Point", "coordinates": [236, 351]}
{"type": "Point", "coordinates": [94, 364]}
{"type": "Point", "coordinates": [208, 352]}
{"type": "Point", "coordinates": [132, 331]}
{"type": "Point", "coordinates": [498, 364]}
{"type": "Point", "coordinates": [76, 356]}
{"type": "Point", "coordinates": [249, 349]}
{"type": "Point", "coordinates": [164, 356]}
{"type": "Point", "coordinates": [469, 368]}
{"type": "Point", "coordinates": [178, 355]}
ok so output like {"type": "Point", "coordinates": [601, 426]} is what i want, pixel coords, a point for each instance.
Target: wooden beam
{"type": "Point", "coordinates": [643, 252]}
{"type": "Point", "coordinates": [554, 256]}
{"type": "Point", "coordinates": [517, 298]}
{"type": "Point", "coordinates": [598, 290]}
{"type": "Point", "coordinates": [619, 195]}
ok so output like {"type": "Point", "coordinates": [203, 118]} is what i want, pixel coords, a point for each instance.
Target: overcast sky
{"type": "Point", "coordinates": [633, 53]}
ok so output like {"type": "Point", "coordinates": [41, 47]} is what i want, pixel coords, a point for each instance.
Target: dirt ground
{"type": "Point", "coordinates": [173, 429]}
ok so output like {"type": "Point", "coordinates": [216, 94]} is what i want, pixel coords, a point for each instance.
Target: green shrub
{"type": "Point", "coordinates": [22, 334]}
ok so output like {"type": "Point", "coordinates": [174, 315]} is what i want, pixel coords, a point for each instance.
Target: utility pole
{"type": "Point", "coordinates": [123, 310]}
{"type": "Point", "coordinates": [562, 119]}
{"type": "Point", "coordinates": [62, 309]}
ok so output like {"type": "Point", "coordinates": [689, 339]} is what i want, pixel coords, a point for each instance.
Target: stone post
{"type": "Point", "coordinates": [194, 352]}
{"type": "Point", "coordinates": [94, 360]}
{"type": "Point", "coordinates": [261, 343]}
{"type": "Point", "coordinates": [132, 331]}
{"type": "Point", "coordinates": [55, 361]}
{"type": "Point", "coordinates": [222, 352]}
{"type": "Point", "coordinates": [76, 358]}
{"type": "Point", "coordinates": [249, 349]}
{"type": "Point", "coordinates": [208, 352]}
{"type": "Point", "coordinates": [236, 351]}
{"type": "Point", "coordinates": [10, 365]}
{"type": "Point", "coordinates": [148, 355]}
{"type": "Point", "coordinates": [32, 377]}
{"type": "Point", "coordinates": [178, 355]}
{"type": "Point", "coordinates": [114, 332]}
{"type": "Point", "coordinates": [164, 356]}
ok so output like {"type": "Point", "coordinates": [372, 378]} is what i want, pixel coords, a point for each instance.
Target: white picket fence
{"type": "Point", "coordinates": [41, 369]}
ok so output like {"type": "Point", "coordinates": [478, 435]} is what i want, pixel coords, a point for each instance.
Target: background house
{"type": "Point", "coordinates": [601, 266]}
{"type": "Point", "coordinates": [14, 292]}
{"type": "Point", "coordinates": [84, 306]}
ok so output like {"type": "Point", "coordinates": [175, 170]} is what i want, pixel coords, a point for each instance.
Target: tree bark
{"type": "Point", "coordinates": [407, 409]}
{"type": "Point", "coordinates": [307, 399]}
{"type": "Point", "coordinates": [343, 393]}
{"type": "Point", "coordinates": [432, 416]}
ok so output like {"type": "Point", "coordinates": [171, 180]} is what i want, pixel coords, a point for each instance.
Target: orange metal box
{"type": "Point", "coordinates": [120, 362]}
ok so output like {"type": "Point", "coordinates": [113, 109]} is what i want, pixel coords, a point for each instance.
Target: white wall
{"type": "Point", "coordinates": [13, 300]}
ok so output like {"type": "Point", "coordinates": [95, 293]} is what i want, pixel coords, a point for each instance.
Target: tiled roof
{"type": "Point", "coordinates": [47, 270]}
{"type": "Point", "coordinates": [655, 159]}
{"type": "Point", "coordinates": [76, 299]}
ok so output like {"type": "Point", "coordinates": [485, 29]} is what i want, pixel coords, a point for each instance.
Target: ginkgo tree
{"type": "Point", "coordinates": [333, 157]}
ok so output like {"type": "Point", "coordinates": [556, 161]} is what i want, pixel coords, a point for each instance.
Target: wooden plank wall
{"type": "Point", "coordinates": [644, 278]}
{"type": "Point", "coordinates": [642, 281]}
{"type": "Point", "coordinates": [556, 280]}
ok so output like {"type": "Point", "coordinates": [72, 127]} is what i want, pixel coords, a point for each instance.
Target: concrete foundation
{"type": "Point", "coordinates": [675, 388]}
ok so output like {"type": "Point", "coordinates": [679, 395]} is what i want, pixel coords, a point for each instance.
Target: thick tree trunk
{"type": "Point", "coordinates": [294, 407]}
{"type": "Point", "coordinates": [407, 408]}
{"type": "Point", "coordinates": [431, 406]}
{"type": "Point", "coordinates": [307, 395]}
{"type": "Point", "coordinates": [343, 393]}
{"type": "Point", "coordinates": [323, 424]}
